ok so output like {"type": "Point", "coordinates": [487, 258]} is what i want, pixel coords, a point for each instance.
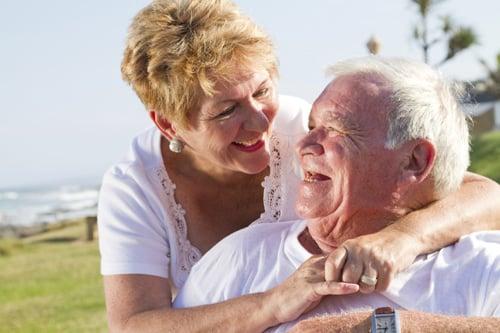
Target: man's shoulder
{"type": "Point", "coordinates": [247, 244]}
{"type": "Point", "coordinates": [478, 250]}
{"type": "Point", "coordinates": [482, 244]}
{"type": "Point", "coordinates": [254, 234]}
{"type": "Point", "coordinates": [457, 280]}
{"type": "Point", "coordinates": [225, 271]}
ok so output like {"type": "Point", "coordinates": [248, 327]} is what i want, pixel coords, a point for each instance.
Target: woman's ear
{"type": "Point", "coordinates": [165, 126]}
{"type": "Point", "coordinates": [418, 164]}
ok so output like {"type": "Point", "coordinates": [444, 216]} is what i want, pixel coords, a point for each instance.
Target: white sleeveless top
{"type": "Point", "coordinates": [143, 230]}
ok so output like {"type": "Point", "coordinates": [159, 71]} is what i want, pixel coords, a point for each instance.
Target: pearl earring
{"type": "Point", "coordinates": [175, 145]}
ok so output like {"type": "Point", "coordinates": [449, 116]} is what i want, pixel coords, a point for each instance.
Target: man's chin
{"type": "Point", "coordinates": [306, 210]}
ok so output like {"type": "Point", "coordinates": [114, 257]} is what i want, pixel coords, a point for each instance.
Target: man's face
{"type": "Point", "coordinates": [347, 169]}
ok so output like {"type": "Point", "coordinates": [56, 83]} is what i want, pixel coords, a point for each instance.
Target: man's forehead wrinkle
{"type": "Point", "coordinates": [340, 110]}
{"type": "Point", "coordinates": [341, 120]}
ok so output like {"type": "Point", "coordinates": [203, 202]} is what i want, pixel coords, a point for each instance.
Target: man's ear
{"type": "Point", "coordinates": [418, 163]}
{"type": "Point", "coordinates": [165, 126]}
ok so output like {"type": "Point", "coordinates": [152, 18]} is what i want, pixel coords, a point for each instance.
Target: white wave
{"type": "Point", "coordinates": [81, 195]}
{"type": "Point", "coordinates": [38, 205]}
{"type": "Point", "coordinates": [9, 195]}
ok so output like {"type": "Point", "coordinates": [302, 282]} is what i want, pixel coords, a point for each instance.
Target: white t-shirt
{"type": "Point", "coordinates": [463, 279]}
{"type": "Point", "coordinates": [142, 229]}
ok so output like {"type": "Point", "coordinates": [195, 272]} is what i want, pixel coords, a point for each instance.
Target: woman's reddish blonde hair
{"type": "Point", "coordinates": [177, 49]}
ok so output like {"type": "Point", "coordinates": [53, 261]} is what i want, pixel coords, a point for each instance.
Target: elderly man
{"type": "Point", "coordinates": [387, 137]}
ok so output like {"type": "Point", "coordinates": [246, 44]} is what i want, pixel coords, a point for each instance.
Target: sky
{"type": "Point", "coordinates": [66, 115]}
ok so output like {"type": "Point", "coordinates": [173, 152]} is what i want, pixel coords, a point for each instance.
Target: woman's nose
{"type": "Point", "coordinates": [257, 120]}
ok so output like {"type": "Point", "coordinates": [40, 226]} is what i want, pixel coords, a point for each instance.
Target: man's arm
{"type": "Point", "coordinates": [410, 321]}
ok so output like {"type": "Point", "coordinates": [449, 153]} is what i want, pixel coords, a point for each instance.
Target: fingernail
{"type": "Point", "coordinates": [350, 286]}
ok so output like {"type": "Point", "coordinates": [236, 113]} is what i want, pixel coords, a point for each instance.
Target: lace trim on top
{"type": "Point", "coordinates": [272, 184]}
{"type": "Point", "coordinates": [188, 254]}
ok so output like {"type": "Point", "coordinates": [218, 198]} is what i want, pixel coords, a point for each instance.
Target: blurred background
{"type": "Point", "coordinates": [66, 116]}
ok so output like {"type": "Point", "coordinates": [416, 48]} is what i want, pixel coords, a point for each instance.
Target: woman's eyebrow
{"type": "Point", "coordinates": [224, 99]}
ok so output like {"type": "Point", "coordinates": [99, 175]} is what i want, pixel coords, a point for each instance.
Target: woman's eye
{"type": "Point", "coordinates": [262, 92]}
{"type": "Point", "coordinates": [226, 113]}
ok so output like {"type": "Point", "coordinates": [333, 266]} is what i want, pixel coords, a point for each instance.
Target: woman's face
{"type": "Point", "coordinates": [229, 129]}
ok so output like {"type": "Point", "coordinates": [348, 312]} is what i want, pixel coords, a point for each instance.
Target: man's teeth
{"type": "Point", "coordinates": [247, 143]}
{"type": "Point", "coordinates": [310, 177]}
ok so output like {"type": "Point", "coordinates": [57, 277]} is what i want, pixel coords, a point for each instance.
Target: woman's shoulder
{"type": "Point", "coordinates": [143, 153]}
{"type": "Point", "coordinates": [292, 117]}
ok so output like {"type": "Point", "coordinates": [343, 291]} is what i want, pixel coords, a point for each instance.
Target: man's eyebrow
{"type": "Point", "coordinates": [343, 122]}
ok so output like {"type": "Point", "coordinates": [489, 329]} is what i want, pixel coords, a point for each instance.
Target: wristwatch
{"type": "Point", "coordinates": [385, 320]}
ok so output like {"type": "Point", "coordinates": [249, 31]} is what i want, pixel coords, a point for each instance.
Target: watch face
{"type": "Point", "coordinates": [386, 324]}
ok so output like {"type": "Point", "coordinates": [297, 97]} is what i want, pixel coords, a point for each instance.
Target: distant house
{"type": "Point", "coordinates": [484, 108]}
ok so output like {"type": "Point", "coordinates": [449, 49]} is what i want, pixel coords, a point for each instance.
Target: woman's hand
{"type": "Point", "coordinates": [304, 289]}
{"type": "Point", "coordinates": [372, 260]}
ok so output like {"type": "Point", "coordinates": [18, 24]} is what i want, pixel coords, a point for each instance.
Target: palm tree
{"type": "Point", "coordinates": [457, 38]}
{"type": "Point", "coordinates": [493, 79]}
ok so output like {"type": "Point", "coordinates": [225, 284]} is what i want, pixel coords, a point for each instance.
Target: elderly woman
{"type": "Point", "coordinates": [219, 157]}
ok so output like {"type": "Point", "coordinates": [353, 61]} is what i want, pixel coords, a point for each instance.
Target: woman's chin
{"type": "Point", "coordinates": [254, 169]}
{"type": "Point", "coordinates": [255, 166]}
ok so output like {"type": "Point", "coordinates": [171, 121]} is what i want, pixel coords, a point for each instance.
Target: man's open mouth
{"type": "Point", "coordinates": [312, 177]}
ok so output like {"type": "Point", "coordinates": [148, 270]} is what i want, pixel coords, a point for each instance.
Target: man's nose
{"type": "Point", "coordinates": [309, 145]}
{"type": "Point", "coordinates": [257, 120]}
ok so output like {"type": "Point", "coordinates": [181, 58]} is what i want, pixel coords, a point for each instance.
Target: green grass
{"type": "Point", "coordinates": [485, 155]}
{"type": "Point", "coordinates": [51, 283]}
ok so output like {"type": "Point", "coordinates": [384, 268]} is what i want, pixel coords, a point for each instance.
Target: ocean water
{"type": "Point", "coordinates": [34, 205]}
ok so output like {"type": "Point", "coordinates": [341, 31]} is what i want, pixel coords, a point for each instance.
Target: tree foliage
{"type": "Point", "coordinates": [456, 37]}
{"type": "Point", "coordinates": [493, 79]}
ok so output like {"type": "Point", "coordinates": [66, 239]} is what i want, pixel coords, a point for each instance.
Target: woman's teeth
{"type": "Point", "coordinates": [247, 143]}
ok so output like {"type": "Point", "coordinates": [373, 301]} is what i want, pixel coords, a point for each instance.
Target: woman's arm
{"type": "Point", "coordinates": [141, 303]}
{"type": "Point", "coordinates": [475, 206]}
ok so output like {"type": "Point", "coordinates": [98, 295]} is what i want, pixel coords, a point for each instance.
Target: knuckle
{"type": "Point", "coordinates": [388, 266]}
{"type": "Point", "coordinates": [348, 277]}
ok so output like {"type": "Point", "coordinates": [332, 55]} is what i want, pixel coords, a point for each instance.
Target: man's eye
{"type": "Point", "coordinates": [335, 131]}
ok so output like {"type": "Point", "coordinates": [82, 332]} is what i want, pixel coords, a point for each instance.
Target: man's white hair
{"type": "Point", "coordinates": [426, 106]}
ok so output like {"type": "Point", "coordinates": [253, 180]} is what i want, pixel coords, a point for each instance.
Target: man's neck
{"type": "Point", "coordinates": [331, 231]}
{"type": "Point", "coordinates": [308, 242]}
